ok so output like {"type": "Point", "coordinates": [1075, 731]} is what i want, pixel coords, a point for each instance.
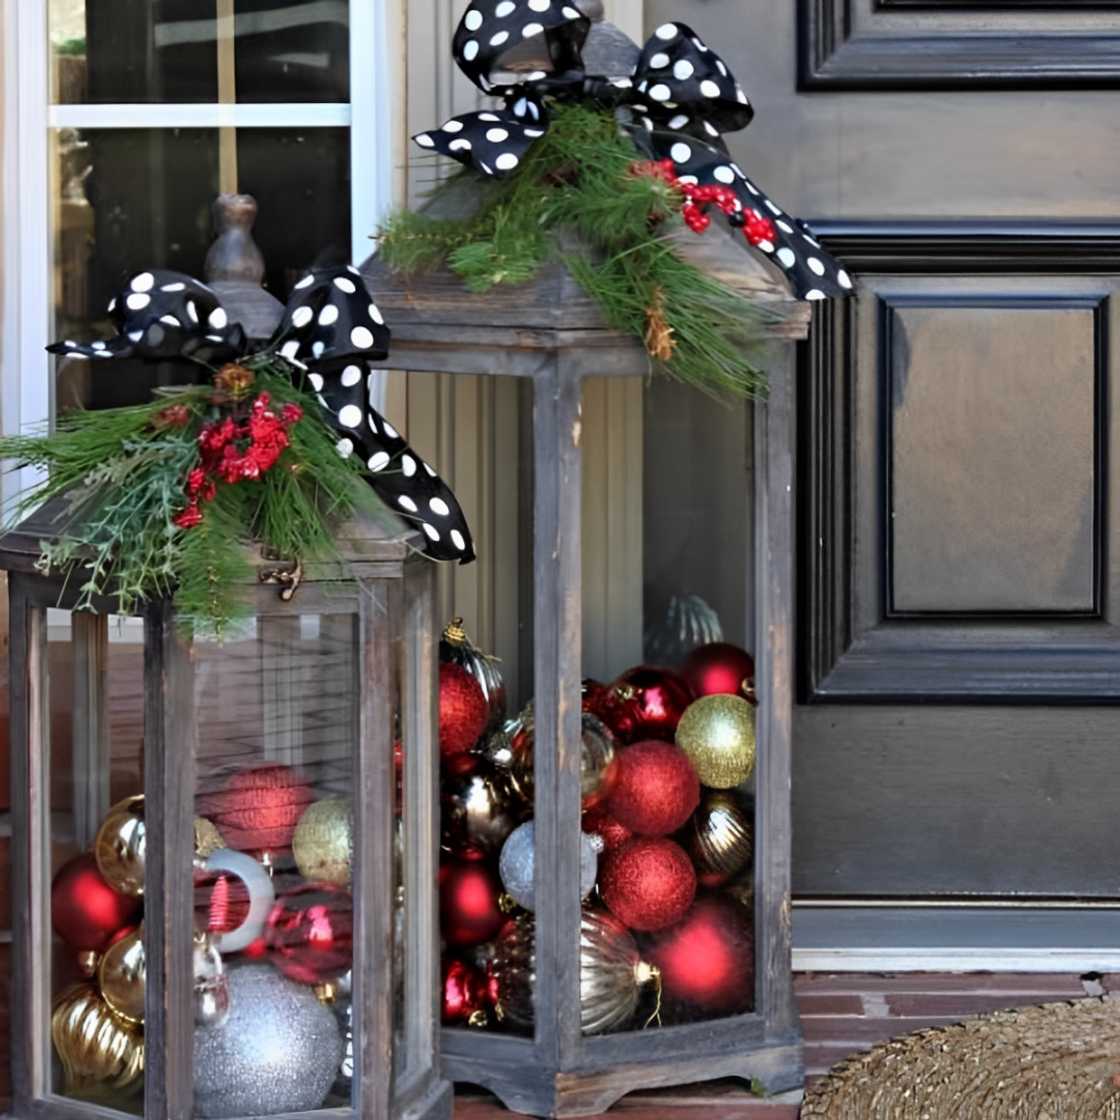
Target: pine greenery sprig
{"type": "Point", "coordinates": [578, 180]}
{"type": "Point", "coordinates": [120, 475]}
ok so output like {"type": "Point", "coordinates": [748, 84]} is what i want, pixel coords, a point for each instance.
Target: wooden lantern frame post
{"type": "Point", "coordinates": [549, 333]}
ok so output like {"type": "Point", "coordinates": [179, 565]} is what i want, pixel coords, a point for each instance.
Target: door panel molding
{"type": "Point", "coordinates": [834, 53]}
{"type": "Point", "coordinates": [853, 646]}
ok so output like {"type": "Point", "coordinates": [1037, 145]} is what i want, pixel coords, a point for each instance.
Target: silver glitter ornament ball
{"type": "Point", "coordinates": [516, 864]}
{"type": "Point", "coordinates": [279, 1050]}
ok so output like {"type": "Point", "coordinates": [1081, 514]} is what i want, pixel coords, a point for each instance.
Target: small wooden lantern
{"type": "Point", "coordinates": [224, 854]}
{"type": "Point", "coordinates": [551, 338]}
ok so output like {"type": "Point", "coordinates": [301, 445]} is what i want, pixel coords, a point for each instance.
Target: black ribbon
{"type": "Point", "coordinates": [330, 332]}
{"type": "Point", "coordinates": [681, 95]}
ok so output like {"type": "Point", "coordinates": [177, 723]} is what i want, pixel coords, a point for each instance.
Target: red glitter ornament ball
{"type": "Point", "coordinates": [463, 710]}
{"type": "Point", "coordinates": [645, 703]}
{"type": "Point", "coordinates": [598, 822]}
{"type": "Point", "coordinates": [469, 908]}
{"type": "Point", "coordinates": [656, 790]}
{"type": "Point", "coordinates": [85, 911]}
{"type": "Point", "coordinates": [465, 996]}
{"type": "Point", "coordinates": [720, 668]}
{"type": "Point", "coordinates": [707, 961]}
{"type": "Point", "coordinates": [310, 933]}
{"type": "Point", "coordinates": [648, 884]}
{"type": "Point", "coordinates": [259, 808]}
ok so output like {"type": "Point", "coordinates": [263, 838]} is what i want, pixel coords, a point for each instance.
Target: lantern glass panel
{"type": "Point", "coordinates": [92, 748]}
{"type": "Point", "coordinates": [278, 730]}
{"type": "Point", "coordinates": [668, 618]}
{"type": "Point", "coordinates": [486, 780]}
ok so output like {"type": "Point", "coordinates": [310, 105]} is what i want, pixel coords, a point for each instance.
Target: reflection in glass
{"type": "Point", "coordinates": [97, 850]}
{"type": "Point", "coordinates": [105, 52]}
{"type": "Point", "coordinates": [668, 724]}
{"type": "Point", "coordinates": [129, 199]}
{"type": "Point", "coordinates": [278, 728]}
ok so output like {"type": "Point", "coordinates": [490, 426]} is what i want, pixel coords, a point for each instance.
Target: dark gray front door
{"type": "Point", "coordinates": [959, 490]}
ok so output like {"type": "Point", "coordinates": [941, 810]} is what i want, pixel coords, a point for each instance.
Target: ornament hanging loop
{"type": "Point", "coordinates": [644, 974]}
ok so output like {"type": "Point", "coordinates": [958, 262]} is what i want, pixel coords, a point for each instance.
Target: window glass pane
{"type": "Point", "coordinates": [293, 50]}
{"type": "Point", "coordinates": [129, 199]}
{"type": "Point", "coordinates": [108, 52]}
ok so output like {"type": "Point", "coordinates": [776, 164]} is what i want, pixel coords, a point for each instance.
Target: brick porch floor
{"type": "Point", "coordinates": [841, 1015]}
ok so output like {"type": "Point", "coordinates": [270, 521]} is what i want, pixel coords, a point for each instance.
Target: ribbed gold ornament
{"type": "Point", "coordinates": [323, 844]}
{"type": "Point", "coordinates": [93, 1045]}
{"type": "Point", "coordinates": [718, 735]}
{"type": "Point", "coordinates": [611, 972]}
{"type": "Point", "coordinates": [720, 836]}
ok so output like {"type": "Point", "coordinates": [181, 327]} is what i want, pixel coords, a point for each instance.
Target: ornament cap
{"type": "Point", "coordinates": [454, 633]}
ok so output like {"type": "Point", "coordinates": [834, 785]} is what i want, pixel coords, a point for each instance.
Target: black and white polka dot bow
{"type": "Point", "coordinates": [681, 96]}
{"type": "Point", "coordinates": [330, 332]}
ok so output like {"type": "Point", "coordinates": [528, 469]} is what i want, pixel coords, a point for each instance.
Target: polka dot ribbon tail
{"type": "Point", "coordinates": [330, 333]}
{"type": "Point", "coordinates": [681, 98]}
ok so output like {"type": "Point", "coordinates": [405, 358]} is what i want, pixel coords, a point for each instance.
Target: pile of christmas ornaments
{"type": "Point", "coordinates": [667, 846]}
{"type": "Point", "coordinates": [272, 949]}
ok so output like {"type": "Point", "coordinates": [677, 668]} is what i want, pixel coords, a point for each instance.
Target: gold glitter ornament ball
{"type": "Point", "coordinates": [93, 1045]}
{"type": "Point", "coordinates": [323, 843]}
{"type": "Point", "coordinates": [718, 735]}
{"type": "Point", "coordinates": [119, 846]}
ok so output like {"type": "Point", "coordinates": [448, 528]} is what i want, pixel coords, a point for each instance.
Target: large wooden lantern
{"type": "Point", "coordinates": [224, 853]}
{"type": "Point", "coordinates": [624, 523]}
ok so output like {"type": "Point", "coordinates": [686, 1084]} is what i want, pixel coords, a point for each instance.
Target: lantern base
{"type": "Point", "coordinates": [532, 1089]}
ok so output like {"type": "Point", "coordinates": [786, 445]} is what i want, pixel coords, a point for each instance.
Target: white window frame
{"type": "Point", "coordinates": [26, 273]}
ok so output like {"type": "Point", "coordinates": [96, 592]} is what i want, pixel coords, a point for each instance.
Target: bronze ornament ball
{"type": "Point", "coordinates": [323, 842]}
{"type": "Point", "coordinates": [480, 810]}
{"type": "Point", "coordinates": [718, 735]}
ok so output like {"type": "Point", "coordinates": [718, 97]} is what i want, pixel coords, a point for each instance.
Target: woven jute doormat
{"type": "Point", "coordinates": [1060, 1061]}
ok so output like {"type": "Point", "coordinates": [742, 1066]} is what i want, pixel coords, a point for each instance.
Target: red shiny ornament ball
{"type": "Point", "coordinates": [599, 822]}
{"type": "Point", "coordinates": [656, 790]}
{"type": "Point", "coordinates": [648, 884]}
{"type": "Point", "coordinates": [707, 961]}
{"type": "Point", "coordinates": [720, 668]}
{"type": "Point", "coordinates": [465, 995]}
{"type": "Point", "coordinates": [310, 933]}
{"type": "Point", "coordinates": [463, 710]}
{"type": "Point", "coordinates": [469, 908]}
{"type": "Point", "coordinates": [645, 703]}
{"type": "Point", "coordinates": [85, 911]}
{"type": "Point", "coordinates": [591, 694]}
{"type": "Point", "coordinates": [259, 808]}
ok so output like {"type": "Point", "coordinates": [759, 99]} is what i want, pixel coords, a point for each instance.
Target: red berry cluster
{"type": "Point", "coordinates": [235, 451]}
{"type": "Point", "coordinates": [756, 227]}
{"type": "Point", "coordinates": [695, 209]}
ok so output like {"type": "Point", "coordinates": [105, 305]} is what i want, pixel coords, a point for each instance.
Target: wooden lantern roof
{"type": "Point", "coordinates": [438, 325]}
